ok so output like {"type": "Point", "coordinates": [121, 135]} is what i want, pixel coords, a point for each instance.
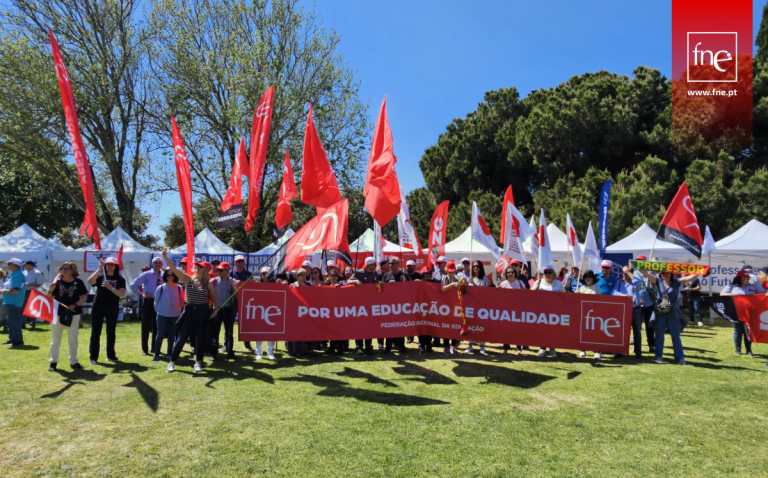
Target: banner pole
{"type": "Point", "coordinates": [709, 263]}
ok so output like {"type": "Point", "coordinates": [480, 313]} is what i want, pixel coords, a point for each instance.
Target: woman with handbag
{"type": "Point", "coordinates": [71, 293]}
{"type": "Point", "coordinates": [668, 313]}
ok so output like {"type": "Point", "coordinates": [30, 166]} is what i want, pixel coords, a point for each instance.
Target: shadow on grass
{"type": "Point", "coordinates": [24, 347]}
{"type": "Point", "coordinates": [369, 377]}
{"type": "Point", "coordinates": [75, 377]}
{"type": "Point", "coordinates": [500, 375]}
{"type": "Point", "coordinates": [428, 376]}
{"type": "Point", "coordinates": [148, 394]}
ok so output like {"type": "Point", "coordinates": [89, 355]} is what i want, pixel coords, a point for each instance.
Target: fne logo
{"type": "Point", "coordinates": [712, 57]}
{"type": "Point", "coordinates": [263, 312]}
{"type": "Point", "coordinates": [602, 323]}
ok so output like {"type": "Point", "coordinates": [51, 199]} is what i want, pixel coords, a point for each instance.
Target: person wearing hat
{"type": "Point", "coordinates": [224, 287]}
{"type": "Point", "coordinates": [464, 270]}
{"type": "Point", "coordinates": [410, 269]}
{"type": "Point", "coordinates": [110, 288]}
{"type": "Point", "coordinates": [241, 274]}
{"type": "Point", "coordinates": [13, 301]}
{"type": "Point", "coordinates": [145, 286]}
{"type": "Point", "coordinates": [547, 281]}
{"type": "Point", "coordinates": [366, 275]}
{"type": "Point", "coordinates": [571, 280]}
{"type": "Point", "coordinates": [741, 285]}
{"type": "Point", "coordinates": [562, 273]}
{"type": "Point", "coordinates": [396, 274]}
{"type": "Point", "coordinates": [521, 275]}
{"type": "Point", "coordinates": [449, 282]}
{"type": "Point", "coordinates": [648, 308]}
{"type": "Point", "coordinates": [762, 275]}
{"type": "Point", "coordinates": [440, 263]}
{"type": "Point", "coordinates": [605, 280]}
{"type": "Point", "coordinates": [385, 268]}
{"type": "Point", "coordinates": [34, 280]}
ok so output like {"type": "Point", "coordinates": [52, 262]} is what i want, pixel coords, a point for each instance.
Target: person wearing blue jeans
{"type": "Point", "coordinates": [13, 301]}
{"type": "Point", "coordinates": [169, 301]}
{"type": "Point", "coordinates": [693, 293]}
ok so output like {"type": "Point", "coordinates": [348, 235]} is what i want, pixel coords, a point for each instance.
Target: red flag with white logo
{"type": "Point", "coordinates": [382, 188]}
{"type": "Point", "coordinates": [231, 211]}
{"type": "Point", "coordinates": [284, 213]}
{"type": "Point", "coordinates": [680, 225]}
{"type": "Point", "coordinates": [753, 311]}
{"type": "Point", "coordinates": [481, 233]}
{"type": "Point", "coordinates": [90, 225]}
{"type": "Point", "coordinates": [41, 306]}
{"type": "Point", "coordinates": [262, 120]}
{"type": "Point", "coordinates": [325, 232]}
{"type": "Point", "coordinates": [508, 198]}
{"type": "Point", "coordinates": [185, 193]}
{"type": "Point", "coordinates": [318, 181]}
{"type": "Point", "coordinates": [437, 232]}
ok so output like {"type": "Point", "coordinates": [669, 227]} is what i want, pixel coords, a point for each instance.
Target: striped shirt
{"type": "Point", "coordinates": [197, 294]}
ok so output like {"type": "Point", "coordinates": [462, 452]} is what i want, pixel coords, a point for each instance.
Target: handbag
{"type": "Point", "coordinates": [665, 305]}
{"type": "Point", "coordinates": [66, 318]}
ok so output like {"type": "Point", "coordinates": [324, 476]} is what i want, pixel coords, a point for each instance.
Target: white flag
{"type": "Point", "coordinates": [573, 240]}
{"type": "Point", "coordinates": [591, 251]}
{"type": "Point", "coordinates": [517, 231]}
{"type": "Point", "coordinates": [481, 233]}
{"type": "Point", "coordinates": [709, 243]}
{"type": "Point", "coordinates": [531, 244]}
{"type": "Point", "coordinates": [406, 233]}
{"type": "Point", "coordinates": [545, 251]}
{"type": "Point", "coordinates": [378, 247]}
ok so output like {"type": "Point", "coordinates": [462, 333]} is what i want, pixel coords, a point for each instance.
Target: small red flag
{"type": "Point", "coordinates": [753, 311]}
{"type": "Point", "coordinates": [185, 193]}
{"type": "Point", "coordinates": [508, 197]}
{"type": "Point", "coordinates": [284, 214]}
{"type": "Point", "coordinates": [41, 306]}
{"type": "Point", "coordinates": [318, 181]}
{"type": "Point", "coordinates": [325, 232]}
{"type": "Point", "coordinates": [231, 212]}
{"type": "Point", "coordinates": [262, 120]}
{"type": "Point", "coordinates": [680, 225]}
{"type": "Point", "coordinates": [120, 258]}
{"type": "Point", "coordinates": [437, 232]}
{"type": "Point", "coordinates": [382, 188]}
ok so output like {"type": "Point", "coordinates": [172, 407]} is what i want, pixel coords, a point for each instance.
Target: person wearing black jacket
{"type": "Point", "coordinates": [395, 274]}
{"type": "Point", "coordinates": [110, 287]}
{"type": "Point", "coordinates": [366, 275]}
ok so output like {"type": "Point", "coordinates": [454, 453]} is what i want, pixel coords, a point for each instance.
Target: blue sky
{"type": "Point", "coordinates": [435, 59]}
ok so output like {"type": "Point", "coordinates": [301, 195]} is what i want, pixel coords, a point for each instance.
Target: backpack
{"type": "Point", "coordinates": [665, 306]}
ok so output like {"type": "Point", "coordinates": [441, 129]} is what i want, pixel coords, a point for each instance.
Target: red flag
{"type": "Point", "coordinates": [382, 189]}
{"type": "Point", "coordinates": [437, 231]}
{"type": "Point", "coordinates": [185, 193]}
{"type": "Point", "coordinates": [284, 215]}
{"type": "Point", "coordinates": [90, 225]}
{"type": "Point", "coordinates": [318, 182]}
{"type": "Point", "coordinates": [231, 213]}
{"type": "Point", "coordinates": [41, 306]}
{"type": "Point", "coordinates": [753, 310]}
{"type": "Point", "coordinates": [325, 232]}
{"type": "Point", "coordinates": [120, 258]}
{"type": "Point", "coordinates": [262, 120]}
{"type": "Point", "coordinates": [501, 266]}
{"type": "Point", "coordinates": [680, 225]}
{"type": "Point", "coordinates": [507, 197]}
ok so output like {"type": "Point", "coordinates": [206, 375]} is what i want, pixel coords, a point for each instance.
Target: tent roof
{"type": "Point", "coordinates": [26, 239]}
{"type": "Point", "coordinates": [272, 247]}
{"type": "Point", "coordinates": [207, 243]}
{"type": "Point", "coordinates": [365, 243]}
{"type": "Point", "coordinates": [464, 244]}
{"type": "Point", "coordinates": [558, 241]}
{"type": "Point", "coordinates": [750, 240]}
{"type": "Point", "coordinates": [55, 240]}
{"type": "Point", "coordinates": [642, 240]}
{"type": "Point", "coordinates": [113, 240]}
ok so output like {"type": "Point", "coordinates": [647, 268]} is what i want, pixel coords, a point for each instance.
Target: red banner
{"type": "Point", "coordinates": [543, 319]}
{"type": "Point", "coordinates": [90, 225]}
{"type": "Point", "coordinates": [753, 310]}
{"type": "Point", "coordinates": [262, 121]}
{"type": "Point", "coordinates": [185, 192]}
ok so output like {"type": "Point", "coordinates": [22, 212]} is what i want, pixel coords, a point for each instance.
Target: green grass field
{"type": "Point", "coordinates": [330, 416]}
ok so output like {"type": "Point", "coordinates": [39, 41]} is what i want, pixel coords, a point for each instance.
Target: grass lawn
{"type": "Point", "coordinates": [329, 416]}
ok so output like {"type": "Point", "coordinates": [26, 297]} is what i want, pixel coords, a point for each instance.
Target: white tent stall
{"type": "Point", "coordinates": [206, 243]}
{"type": "Point", "coordinates": [642, 240]}
{"type": "Point", "coordinates": [465, 246]}
{"type": "Point", "coordinates": [26, 244]}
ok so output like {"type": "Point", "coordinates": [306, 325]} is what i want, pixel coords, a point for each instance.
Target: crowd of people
{"type": "Point", "coordinates": [190, 309]}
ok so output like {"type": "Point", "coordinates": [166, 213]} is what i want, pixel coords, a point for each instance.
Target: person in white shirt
{"type": "Point", "coordinates": [547, 281]}
{"type": "Point", "coordinates": [34, 280]}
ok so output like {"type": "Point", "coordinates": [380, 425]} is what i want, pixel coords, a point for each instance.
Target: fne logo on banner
{"type": "Point", "coordinates": [601, 323]}
{"type": "Point", "coordinates": [712, 57]}
{"type": "Point", "coordinates": [264, 311]}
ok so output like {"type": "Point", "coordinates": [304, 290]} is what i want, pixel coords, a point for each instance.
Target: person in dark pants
{"type": "Point", "coordinates": [450, 281]}
{"type": "Point", "coordinates": [149, 282]}
{"type": "Point", "coordinates": [395, 274]}
{"type": "Point", "coordinates": [241, 274]}
{"type": "Point", "coordinates": [34, 280]}
{"type": "Point", "coordinates": [693, 294]}
{"type": "Point", "coordinates": [632, 287]}
{"type": "Point", "coordinates": [224, 287]}
{"type": "Point", "coordinates": [110, 287]}
{"type": "Point", "coordinates": [169, 302]}
{"type": "Point", "coordinates": [425, 341]}
{"type": "Point", "coordinates": [366, 275]}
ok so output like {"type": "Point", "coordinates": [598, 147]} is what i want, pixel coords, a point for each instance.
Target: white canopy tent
{"type": "Point", "coordinates": [641, 241]}
{"type": "Point", "coordinates": [26, 244]}
{"type": "Point", "coordinates": [206, 242]}
{"type": "Point", "coordinates": [273, 247]}
{"type": "Point", "coordinates": [750, 241]}
{"type": "Point", "coordinates": [465, 246]}
{"type": "Point", "coordinates": [364, 243]}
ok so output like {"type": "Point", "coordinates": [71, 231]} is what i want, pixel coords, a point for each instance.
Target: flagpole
{"type": "Point", "coordinates": [709, 263]}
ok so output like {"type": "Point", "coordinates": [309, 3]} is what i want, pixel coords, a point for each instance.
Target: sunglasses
{"type": "Point", "coordinates": [548, 273]}
{"type": "Point", "coordinates": [65, 269]}
{"type": "Point", "coordinates": [242, 262]}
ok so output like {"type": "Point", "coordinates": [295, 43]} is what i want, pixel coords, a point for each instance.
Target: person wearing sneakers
{"type": "Point", "coordinates": [34, 280]}
{"type": "Point", "coordinates": [145, 286]}
{"type": "Point", "coordinates": [71, 293]}
{"type": "Point", "coordinates": [450, 281]}
{"type": "Point", "coordinates": [169, 302]}
{"type": "Point", "coordinates": [477, 278]}
{"type": "Point", "coordinates": [741, 286]}
{"type": "Point", "coordinates": [547, 281]}
{"type": "Point", "coordinates": [240, 273]}
{"type": "Point", "coordinates": [110, 287]}
{"type": "Point", "coordinates": [13, 301]}
{"type": "Point", "coordinates": [196, 313]}
{"type": "Point", "coordinates": [264, 274]}
{"type": "Point", "coordinates": [224, 287]}
{"type": "Point", "coordinates": [366, 275]}
{"type": "Point", "coordinates": [630, 286]}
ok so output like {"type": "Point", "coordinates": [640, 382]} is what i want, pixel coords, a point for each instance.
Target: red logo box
{"type": "Point", "coordinates": [262, 312]}
{"type": "Point", "coordinates": [602, 323]}
{"type": "Point", "coordinates": [712, 57]}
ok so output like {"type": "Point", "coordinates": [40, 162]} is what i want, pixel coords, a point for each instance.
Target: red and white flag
{"type": "Point", "coordinates": [120, 259]}
{"type": "Point", "coordinates": [185, 193]}
{"type": "Point", "coordinates": [325, 232]}
{"type": "Point", "coordinates": [481, 233]}
{"type": "Point", "coordinates": [378, 243]}
{"type": "Point", "coordinates": [508, 198]}
{"type": "Point", "coordinates": [318, 181]}
{"type": "Point", "coordinates": [591, 250]}
{"type": "Point", "coordinates": [90, 225]}
{"type": "Point", "coordinates": [231, 211]}
{"type": "Point", "coordinates": [545, 250]}
{"type": "Point", "coordinates": [680, 225]}
{"type": "Point", "coordinates": [262, 120]}
{"type": "Point", "coordinates": [406, 232]}
{"type": "Point", "coordinates": [516, 232]}
{"type": "Point", "coordinates": [573, 240]}
{"type": "Point", "coordinates": [382, 188]}
{"type": "Point", "coordinates": [753, 311]}
{"type": "Point", "coordinates": [437, 233]}
{"type": "Point", "coordinates": [284, 213]}
{"type": "Point", "coordinates": [531, 244]}
{"type": "Point", "coordinates": [41, 306]}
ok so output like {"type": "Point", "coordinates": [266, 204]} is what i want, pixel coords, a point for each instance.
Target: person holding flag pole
{"type": "Point", "coordinates": [110, 287]}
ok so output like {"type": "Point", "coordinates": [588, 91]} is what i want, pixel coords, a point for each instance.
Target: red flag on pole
{"type": "Point", "coordinates": [437, 232]}
{"type": "Point", "coordinates": [318, 182]}
{"type": "Point", "coordinates": [231, 212]}
{"type": "Point", "coordinates": [680, 225]}
{"type": "Point", "coordinates": [185, 193]}
{"type": "Point", "coordinates": [41, 306]}
{"type": "Point", "coordinates": [90, 225]}
{"type": "Point", "coordinates": [120, 258]}
{"type": "Point", "coordinates": [508, 197]}
{"type": "Point", "coordinates": [325, 232]}
{"type": "Point", "coordinates": [753, 311]}
{"type": "Point", "coordinates": [382, 188]}
{"type": "Point", "coordinates": [284, 214]}
{"type": "Point", "coordinates": [262, 120]}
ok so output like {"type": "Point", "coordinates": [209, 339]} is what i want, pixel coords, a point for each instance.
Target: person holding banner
{"type": "Point", "coordinates": [366, 275]}
{"type": "Point", "coordinates": [450, 281]}
{"type": "Point", "coordinates": [194, 318]}
{"type": "Point", "coordinates": [589, 286]}
{"type": "Point", "coordinates": [547, 281]}
{"type": "Point", "coordinates": [332, 280]}
{"type": "Point", "coordinates": [295, 349]}
{"type": "Point", "coordinates": [511, 282]}
{"type": "Point", "coordinates": [396, 274]}
{"type": "Point", "coordinates": [648, 309]}
{"type": "Point", "coordinates": [145, 286]}
{"type": "Point", "coordinates": [224, 287]}
{"type": "Point", "coordinates": [71, 294]}
{"type": "Point", "coordinates": [741, 285]}
{"type": "Point", "coordinates": [630, 286]}
{"type": "Point", "coordinates": [169, 302]}
{"type": "Point", "coordinates": [13, 301]}
{"type": "Point", "coordinates": [410, 269]}
{"type": "Point", "coordinates": [477, 278]}
{"type": "Point", "coordinates": [668, 313]}
{"type": "Point", "coordinates": [110, 287]}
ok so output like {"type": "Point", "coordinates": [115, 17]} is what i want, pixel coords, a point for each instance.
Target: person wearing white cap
{"type": "Point", "coordinates": [110, 287]}
{"type": "Point", "coordinates": [13, 301]}
{"type": "Point", "coordinates": [34, 280]}
{"type": "Point", "coordinates": [366, 275]}
{"type": "Point", "coordinates": [547, 281]}
{"type": "Point", "coordinates": [410, 269]}
{"type": "Point", "coordinates": [149, 282]}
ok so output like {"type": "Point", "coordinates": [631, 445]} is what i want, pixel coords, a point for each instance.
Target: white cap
{"type": "Point", "coordinates": [441, 259]}
{"type": "Point", "coordinates": [466, 259]}
{"type": "Point", "coordinates": [239, 258]}
{"type": "Point", "coordinates": [550, 267]}
{"type": "Point", "coordinates": [606, 263]}
{"type": "Point", "coordinates": [157, 259]}
{"type": "Point", "coordinates": [14, 261]}
{"type": "Point", "coordinates": [111, 260]}
{"type": "Point", "coordinates": [330, 264]}
{"type": "Point", "coordinates": [264, 269]}
{"type": "Point", "coordinates": [410, 263]}
{"type": "Point", "coordinates": [306, 264]}
{"type": "Point", "coordinates": [369, 261]}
